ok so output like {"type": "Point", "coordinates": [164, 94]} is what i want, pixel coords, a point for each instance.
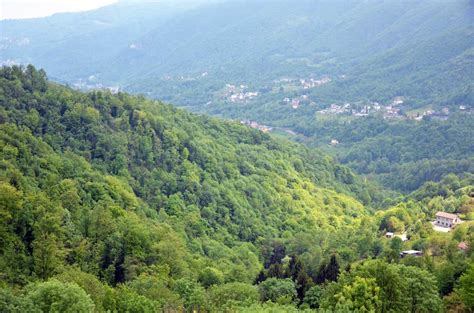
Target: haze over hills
{"type": "Point", "coordinates": [139, 45]}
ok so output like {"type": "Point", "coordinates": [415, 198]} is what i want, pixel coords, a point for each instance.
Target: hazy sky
{"type": "Point", "coordinates": [12, 9]}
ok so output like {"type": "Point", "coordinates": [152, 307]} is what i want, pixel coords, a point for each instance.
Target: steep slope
{"type": "Point", "coordinates": [118, 185]}
{"type": "Point", "coordinates": [118, 203]}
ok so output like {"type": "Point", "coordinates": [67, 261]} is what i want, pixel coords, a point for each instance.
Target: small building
{"type": "Point", "coordinates": [447, 220]}
{"type": "Point", "coordinates": [389, 234]}
{"type": "Point", "coordinates": [411, 253]}
{"type": "Point", "coordinates": [334, 142]}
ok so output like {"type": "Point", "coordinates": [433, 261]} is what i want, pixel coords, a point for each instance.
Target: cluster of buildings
{"type": "Point", "coordinates": [184, 77]}
{"type": "Point", "coordinates": [8, 42]}
{"type": "Point", "coordinates": [312, 83]}
{"type": "Point", "coordinates": [296, 102]}
{"type": "Point", "coordinates": [83, 85]}
{"type": "Point", "coordinates": [304, 83]}
{"type": "Point", "coordinates": [235, 93]}
{"type": "Point", "coordinates": [443, 114]}
{"type": "Point", "coordinates": [337, 109]}
{"type": "Point", "coordinates": [355, 109]}
{"type": "Point", "coordinates": [253, 124]}
{"type": "Point", "coordinates": [360, 109]}
{"type": "Point", "coordinates": [392, 110]}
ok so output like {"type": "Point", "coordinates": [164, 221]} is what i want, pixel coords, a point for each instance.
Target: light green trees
{"type": "Point", "coordinates": [232, 294]}
{"type": "Point", "coordinates": [362, 295]}
{"type": "Point", "coordinates": [54, 296]}
{"type": "Point", "coordinates": [466, 287]}
{"type": "Point", "coordinates": [377, 286]}
{"type": "Point", "coordinates": [210, 276]}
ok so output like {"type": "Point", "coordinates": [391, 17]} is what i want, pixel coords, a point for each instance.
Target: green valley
{"type": "Point", "coordinates": [237, 156]}
{"type": "Point", "coordinates": [119, 203]}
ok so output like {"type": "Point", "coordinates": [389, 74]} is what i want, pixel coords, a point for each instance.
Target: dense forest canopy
{"type": "Point", "coordinates": [402, 155]}
{"type": "Point", "coordinates": [341, 139]}
{"type": "Point", "coordinates": [119, 203]}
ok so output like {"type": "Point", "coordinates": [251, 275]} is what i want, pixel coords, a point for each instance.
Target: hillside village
{"type": "Point", "coordinates": [391, 110]}
{"type": "Point", "coordinates": [297, 96]}
{"type": "Point", "coordinates": [396, 108]}
{"type": "Point", "coordinates": [239, 93]}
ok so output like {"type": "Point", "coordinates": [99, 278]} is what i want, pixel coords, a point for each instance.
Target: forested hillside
{"type": "Point", "coordinates": [379, 77]}
{"type": "Point", "coordinates": [402, 155]}
{"type": "Point", "coordinates": [121, 187]}
{"type": "Point", "coordinates": [119, 203]}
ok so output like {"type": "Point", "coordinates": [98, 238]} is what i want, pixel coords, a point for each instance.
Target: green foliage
{"type": "Point", "coordinates": [54, 296]}
{"type": "Point", "coordinates": [376, 285]}
{"type": "Point", "coordinates": [268, 307]}
{"type": "Point", "coordinates": [402, 155]}
{"type": "Point", "coordinates": [329, 271]}
{"type": "Point", "coordinates": [193, 294]}
{"type": "Point", "coordinates": [312, 297]}
{"type": "Point", "coordinates": [422, 294]}
{"type": "Point", "coordinates": [282, 291]}
{"type": "Point", "coordinates": [127, 300]}
{"type": "Point", "coordinates": [210, 276]}
{"type": "Point", "coordinates": [98, 292]}
{"type": "Point", "coordinates": [118, 203]}
{"type": "Point", "coordinates": [466, 287]}
{"type": "Point", "coordinates": [383, 49]}
{"type": "Point", "coordinates": [12, 303]}
{"type": "Point", "coordinates": [157, 287]}
{"type": "Point", "coordinates": [232, 294]}
{"type": "Point", "coordinates": [115, 184]}
{"type": "Point", "coordinates": [361, 296]}
{"type": "Point", "coordinates": [373, 51]}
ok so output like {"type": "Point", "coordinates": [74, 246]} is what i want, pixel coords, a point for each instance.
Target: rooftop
{"type": "Point", "coordinates": [446, 215]}
{"type": "Point", "coordinates": [412, 252]}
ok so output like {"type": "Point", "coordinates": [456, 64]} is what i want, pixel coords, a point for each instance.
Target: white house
{"type": "Point", "coordinates": [447, 220]}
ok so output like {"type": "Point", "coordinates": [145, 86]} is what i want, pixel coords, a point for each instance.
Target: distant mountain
{"type": "Point", "coordinates": [419, 49]}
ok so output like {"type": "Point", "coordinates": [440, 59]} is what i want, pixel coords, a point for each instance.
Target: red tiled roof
{"type": "Point", "coordinates": [447, 215]}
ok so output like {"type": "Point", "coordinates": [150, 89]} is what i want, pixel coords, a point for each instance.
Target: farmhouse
{"type": "Point", "coordinates": [448, 220]}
